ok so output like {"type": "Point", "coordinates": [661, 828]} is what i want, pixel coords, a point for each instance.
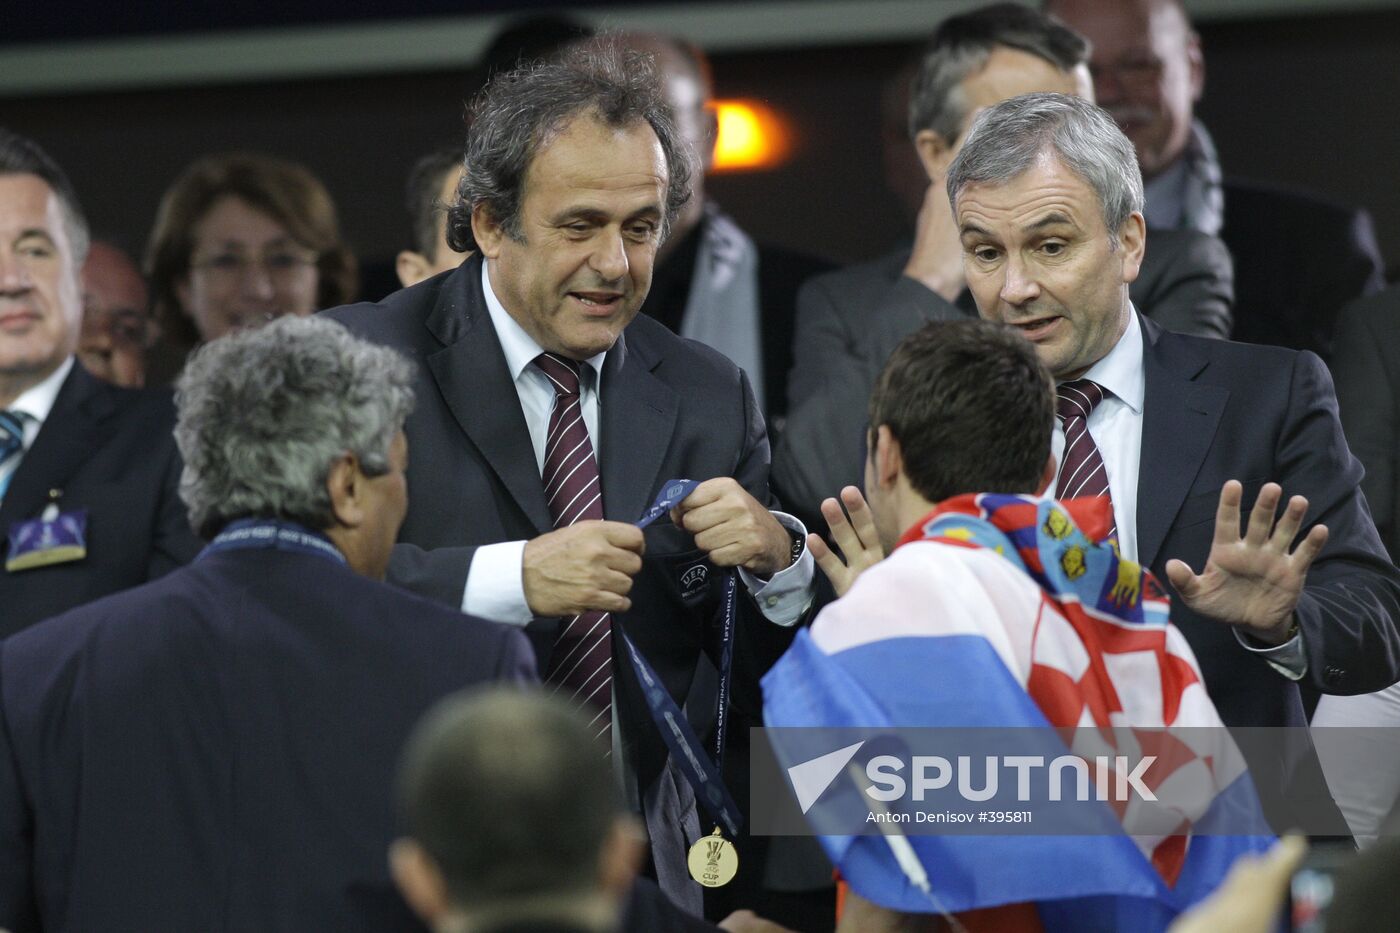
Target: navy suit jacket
{"type": "Point", "coordinates": [669, 408]}
{"type": "Point", "coordinates": [1217, 410]}
{"type": "Point", "coordinates": [215, 750]}
{"type": "Point", "coordinates": [109, 451]}
{"type": "Point", "coordinates": [1214, 411]}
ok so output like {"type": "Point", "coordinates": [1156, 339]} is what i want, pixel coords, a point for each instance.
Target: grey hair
{"type": "Point", "coordinates": [521, 111]}
{"type": "Point", "coordinates": [1006, 139]}
{"type": "Point", "coordinates": [961, 46]}
{"type": "Point", "coordinates": [264, 414]}
{"type": "Point", "coordinates": [20, 155]}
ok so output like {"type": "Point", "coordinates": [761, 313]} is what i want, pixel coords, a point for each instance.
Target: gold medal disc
{"type": "Point", "coordinates": [713, 860]}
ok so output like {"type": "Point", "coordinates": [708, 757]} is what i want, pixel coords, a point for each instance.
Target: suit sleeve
{"type": "Point", "coordinates": [1195, 290]}
{"type": "Point", "coordinates": [1366, 395]}
{"type": "Point", "coordinates": [758, 642]}
{"type": "Point", "coordinates": [517, 659]}
{"type": "Point", "coordinates": [439, 574]}
{"type": "Point", "coordinates": [173, 541]}
{"type": "Point", "coordinates": [838, 356]}
{"type": "Point", "coordinates": [18, 911]}
{"type": "Point", "coordinates": [1349, 612]}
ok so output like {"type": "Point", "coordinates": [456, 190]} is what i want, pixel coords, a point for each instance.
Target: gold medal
{"type": "Point", "coordinates": [713, 860]}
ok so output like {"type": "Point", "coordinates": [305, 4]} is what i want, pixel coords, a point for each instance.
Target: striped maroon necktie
{"type": "Point", "coordinates": [581, 663]}
{"type": "Point", "coordinates": [1082, 473]}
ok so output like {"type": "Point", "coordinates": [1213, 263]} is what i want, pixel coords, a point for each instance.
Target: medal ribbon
{"type": "Point", "coordinates": [268, 534]}
{"type": "Point", "coordinates": [702, 773]}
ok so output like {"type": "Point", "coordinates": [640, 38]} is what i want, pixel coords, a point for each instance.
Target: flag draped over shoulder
{"type": "Point", "coordinates": [1007, 611]}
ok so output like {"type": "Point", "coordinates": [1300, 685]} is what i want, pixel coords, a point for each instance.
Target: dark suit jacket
{"type": "Point", "coordinates": [1217, 410]}
{"type": "Point", "coordinates": [216, 750]}
{"type": "Point", "coordinates": [1366, 364]}
{"type": "Point", "coordinates": [781, 273]}
{"type": "Point", "coordinates": [1298, 260]}
{"type": "Point", "coordinates": [850, 321]}
{"type": "Point", "coordinates": [110, 451]}
{"type": "Point", "coordinates": [669, 408]}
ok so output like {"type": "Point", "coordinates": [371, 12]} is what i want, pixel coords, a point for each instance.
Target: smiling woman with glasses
{"type": "Point", "coordinates": [242, 238]}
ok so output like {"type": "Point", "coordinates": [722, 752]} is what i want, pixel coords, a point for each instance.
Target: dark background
{"type": "Point", "coordinates": [1307, 100]}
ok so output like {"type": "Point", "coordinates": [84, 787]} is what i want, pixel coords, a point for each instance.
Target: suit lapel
{"type": "Point", "coordinates": [637, 416]}
{"type": "Point", "coordinates": [471, 373]}
{"type": "Point", "coordinates": [1180, 417]}
{"type": "Point", "coordinates": [67, 439]}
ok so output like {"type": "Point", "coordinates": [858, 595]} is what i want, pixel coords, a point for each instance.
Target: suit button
{"type": "Point", "coordinates": [1333, 676]}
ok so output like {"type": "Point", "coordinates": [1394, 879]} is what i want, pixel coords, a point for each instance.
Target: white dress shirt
{"type": "Point", "coordinates": [34, 404]}
{"type": "Point", "coordinates": [495, 589]}
{"type": "Point", "coordinates": [1115, 424]}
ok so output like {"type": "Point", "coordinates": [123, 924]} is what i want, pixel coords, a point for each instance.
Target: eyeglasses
{"type": "Point", "coordinates": [281, 267]}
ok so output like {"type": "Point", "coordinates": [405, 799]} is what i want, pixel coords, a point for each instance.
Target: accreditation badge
{"type": "Point", "coordinates": [53, 538]}
{"type": "Point", "coordinates": [713, 860]}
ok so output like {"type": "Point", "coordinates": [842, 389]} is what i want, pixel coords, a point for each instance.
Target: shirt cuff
{"type": "Point", "coordinates": [1288, 659]}
{"type": "Point", "coordinates": [495, 587]}
{"type": "Point", "coordinates": [785, 596]}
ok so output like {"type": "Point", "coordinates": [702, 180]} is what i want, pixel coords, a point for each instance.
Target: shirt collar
{"type": "Point", "coordinates": [1120, 371]}
{"type": "Point", "coordinates": [519, 347]}
{"type": "Point", "coordinates": [37, 401]}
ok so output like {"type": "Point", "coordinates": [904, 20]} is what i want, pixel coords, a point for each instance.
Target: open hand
{"type": "Point", "coordinates": [1252, 580]}
{"type": "Point", "coordinates": [855, 536]}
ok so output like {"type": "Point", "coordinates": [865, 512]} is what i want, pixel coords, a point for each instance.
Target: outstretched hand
{"type": "Point", "coordinates": [854, 535]}
{"type": "Point", "coordinates": [1252, 580]}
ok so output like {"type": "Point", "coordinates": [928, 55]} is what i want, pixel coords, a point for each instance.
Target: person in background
{"type": "Point", "coordinates": [239, 239]}
{"type": "Point", "coordinates": [88, 471]}
{"type": "Point", "coordinates": [1298, 257]}
{"type": "Point", "coordinates": [117, 326]}
{"type": "Point", "coordinates": [432, 187]}
{"type": "Point", "coordinates": [215, 750]}
{"type": "Point", "coordinates": [712, 282]}
{"type": "Point", "coordinates": [850, 321]}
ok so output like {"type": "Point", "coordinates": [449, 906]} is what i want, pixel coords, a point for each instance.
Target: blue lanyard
{"type": "Point", "coordinates": [271, 534]}
{"type": "Point", "coordinates": [703, 774]}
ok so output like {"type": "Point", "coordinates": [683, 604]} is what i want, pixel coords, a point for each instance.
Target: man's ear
{"type": "Point", "coordinates": [621, 856]}
{"type": "Point", "coordinates": [935, 153]}
{"type": "Point", "coordinates": [1196, 60]}
{"type": "Point", "coordinates": [1132, 240]}
{"type": "Point", "coordinates": [889, 457]}
{"type": "Point", "coordinates": [346, 484]}
{"type": "Point", "coordinates": [419, 880]}
{"type": "Point", "coordinates": [410, 267]}
{"type": "Point", "coordinates": [1047, 475]}
{"type": "Point", "coordinates": [487, 232]}
{"type": "Point", "coordinates": [711, 137]}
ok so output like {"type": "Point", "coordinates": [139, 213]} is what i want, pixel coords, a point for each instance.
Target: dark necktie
{"type": "Point", "coordinates": [1082, 472]}
{"type": "Point", "coordinates": [581, 663]}
{"type": "Point", "coordinates": [11, 435]}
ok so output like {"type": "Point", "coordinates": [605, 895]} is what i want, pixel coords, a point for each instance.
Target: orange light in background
{"type": "Point", "coordinates": [752, 136]}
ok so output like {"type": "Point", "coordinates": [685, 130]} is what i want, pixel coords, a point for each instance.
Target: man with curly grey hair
{"type": "Point", "coordinates": [229, 732]}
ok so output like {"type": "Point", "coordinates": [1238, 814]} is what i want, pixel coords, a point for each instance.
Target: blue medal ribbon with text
{"type": "Point", "coordinates": [700, 771]}
{"type": "Point", "coordinates": [272, 534]}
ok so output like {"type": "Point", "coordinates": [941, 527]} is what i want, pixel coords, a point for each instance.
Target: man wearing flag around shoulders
{"type": "Point", "coordinates": [999, 609]}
